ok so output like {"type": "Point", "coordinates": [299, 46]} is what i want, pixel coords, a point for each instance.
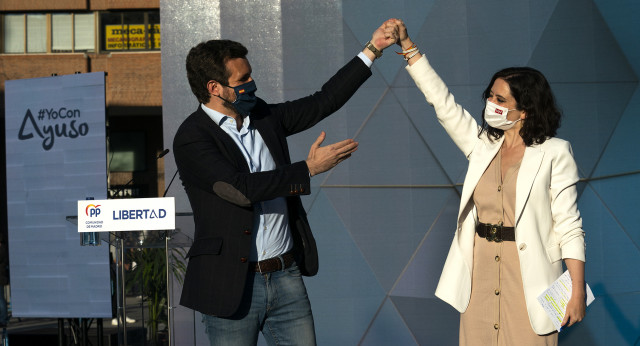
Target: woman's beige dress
{"type": "Point", "coordinates": [497, 313]}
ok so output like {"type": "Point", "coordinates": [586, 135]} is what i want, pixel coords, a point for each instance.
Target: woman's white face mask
{"type": "Point", "coordinates": [496, 116]}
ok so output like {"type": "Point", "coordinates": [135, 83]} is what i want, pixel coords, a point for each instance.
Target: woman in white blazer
{"type": "Point", "coordinates": [518, 213]}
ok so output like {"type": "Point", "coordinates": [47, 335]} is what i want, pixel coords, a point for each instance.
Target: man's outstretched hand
{"type": "Point", "coordinates": [322, 159]}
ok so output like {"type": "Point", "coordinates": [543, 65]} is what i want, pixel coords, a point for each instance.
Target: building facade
{"type": "Point", "coordinates": [41, 38]}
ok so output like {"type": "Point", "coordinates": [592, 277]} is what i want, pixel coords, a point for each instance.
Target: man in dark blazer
{"type": "Point", "coordinates": [252, 239]}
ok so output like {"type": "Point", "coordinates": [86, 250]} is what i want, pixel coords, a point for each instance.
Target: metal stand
{"type": "Point", "coordinates": [135, 239]}
{"type": "Point", "coordinates": [121, 313]}
{"type": "Point", "coordinates": [61, 341]}
{"type": "Point", "coordinates": [167, 237]}
{"type": "Point", "coordinates": [100, 331]}
{"type": "Point", "coordinates": [84, 334]}
{"type": "Point", "coordinates": [166, 240]}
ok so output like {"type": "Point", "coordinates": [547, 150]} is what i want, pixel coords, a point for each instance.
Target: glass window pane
{"type": "Point", "coordinates": [154, 30]}
{"type": "Point", "coordinates": [154, 36]}
{"type": "Point", "coordinates": [36, 33]}
{"type": "Point", "coordinates": [115, 37]}
{"type": "Point", "coordinates": [14, 33]}
{"type": "Point", "coordinates": [154, 17]}
{"type": "Point", "coordinates": [112, 31]}
{"type": "Point", "coordinates": [84, 32]}
{"type": "Point", "coordinates": [136, 35]}
{"type": "Point", "coordinates": [61, 32]}
{"type": "Point", "coordinates": [134, 17]}
{"type": "Point", "coordinates": [127, 151]}
{"type": "Point", "coordinates": [132, 30]}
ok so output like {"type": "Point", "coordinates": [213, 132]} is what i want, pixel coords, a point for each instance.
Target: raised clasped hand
{"type": "Point", "coordinates": [385, 36]}
{"type": "Point", "coordinates": [399, 32]}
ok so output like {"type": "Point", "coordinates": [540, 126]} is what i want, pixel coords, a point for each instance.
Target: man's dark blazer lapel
{"type": "Point", "coordinates": [230, 148]}
{"type": "Point", "coordinates": [227, 146]}
{"type": "Point", "coordinates": [271, 140]}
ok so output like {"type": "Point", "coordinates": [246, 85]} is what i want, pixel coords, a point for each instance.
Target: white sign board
{"type": "Point", "coordinates": [131, 214]}
{"type": "Point", "coordinates": [56, 155]}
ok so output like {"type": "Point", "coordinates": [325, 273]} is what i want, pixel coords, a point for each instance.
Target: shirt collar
{"type": "Point", "coordinates": [220, 118]}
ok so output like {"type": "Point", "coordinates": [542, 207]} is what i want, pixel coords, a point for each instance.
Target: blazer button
{"type": "Point", "coordinates": [523, 246]}
{"type": "Point", "coordinates": [247, 232]}
{"type": "Point", "coordinates": [497, 292]}
{"type": "Point", "coordinates": [497, 258]}
{"type": "Point", "coordinates": [496, 326]}
{"type": "Point", "coordinates": [243, 259]}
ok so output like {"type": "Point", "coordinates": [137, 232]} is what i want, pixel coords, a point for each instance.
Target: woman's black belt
{"type": "Point", "coordinates": [496, 233]}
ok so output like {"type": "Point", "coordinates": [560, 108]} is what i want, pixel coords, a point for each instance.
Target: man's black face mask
{"type": "Point", "coordinates": [245, 97]}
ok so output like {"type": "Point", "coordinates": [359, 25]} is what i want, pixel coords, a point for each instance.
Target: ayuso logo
{"type": "Point", "coordinates": [64, 128]}
{"type": "Point", "coordinates": [92, 210]}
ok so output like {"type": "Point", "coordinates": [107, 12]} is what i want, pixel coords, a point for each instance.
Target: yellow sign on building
{"type": "Point", "coordinates": [131, 37]}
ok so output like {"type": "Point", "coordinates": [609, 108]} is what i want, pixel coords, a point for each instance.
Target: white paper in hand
{"type": "Point", "coordinates": [555, 298]}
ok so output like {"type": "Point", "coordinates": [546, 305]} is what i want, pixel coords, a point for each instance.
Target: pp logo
{"type": "Point", "coordinates": [92, 210]}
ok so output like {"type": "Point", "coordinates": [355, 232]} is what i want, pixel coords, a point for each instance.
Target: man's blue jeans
{"type": "Point", "coordinates": [276, 304]}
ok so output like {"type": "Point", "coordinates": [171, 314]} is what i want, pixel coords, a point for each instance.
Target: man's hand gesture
{"type": "Point", "coordinates": [322, 159]}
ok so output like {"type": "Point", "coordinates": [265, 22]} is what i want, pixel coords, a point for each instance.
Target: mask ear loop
{"type": "Point", "coordinates": [234, 93]}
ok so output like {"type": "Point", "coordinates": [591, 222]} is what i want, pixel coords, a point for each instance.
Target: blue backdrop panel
{"type": "Point", "coordinates": [377, 159]}
{"type": "Point", "coordinates": [621, 154]}
{"type": "Point", "coordinates": [439, 144]}
{"type": "Point", "coordinates": [431, 321]}
{"type": "Point", "coordinates": [385, 218]}
{"type": "Point", "coordinates": [614, 237]}
{"type": "Point", "coordinates": [420, 278]}
{"type": "Point", "coordinates": [388, 328]}
{"type": "Point", "coordinates": [56, 155]}
{"type": "Point", "coordinates": [621, 18]}
{"type": "Point", "coordinates": [591, 113]}
{"type": "Point", "coordinates": [364, 294]}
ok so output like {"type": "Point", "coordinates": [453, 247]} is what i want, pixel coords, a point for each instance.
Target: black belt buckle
{"type": "Point", "coordinates": [495, 233]}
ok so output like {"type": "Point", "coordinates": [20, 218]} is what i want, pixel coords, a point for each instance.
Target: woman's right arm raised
{"type": "Point", "coordinates": [458, 123]}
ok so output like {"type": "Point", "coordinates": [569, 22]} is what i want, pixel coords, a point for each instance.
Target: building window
{"type": "Point", "coordinates": [127, 151]}
{"type": "Point", "coordinates": [14, 33]}
{"type": "Point", "coordinates": [72, 32]}
{"type": "Point", "coordinates": [48, 33]}
{"type": "Point", "coordinates": [127, 31]}
{"type": "Point", "coordinates": [61, 32]}
{"type": "Point", "coordinates": [36, 33]}
{"type": "Point", "coordinates": [84, 32]}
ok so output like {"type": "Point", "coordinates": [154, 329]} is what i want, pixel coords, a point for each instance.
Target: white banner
{"type": "Point", "coordinates": [131, 214]}
{"type": "Point", "coordinates": [56, 155]}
